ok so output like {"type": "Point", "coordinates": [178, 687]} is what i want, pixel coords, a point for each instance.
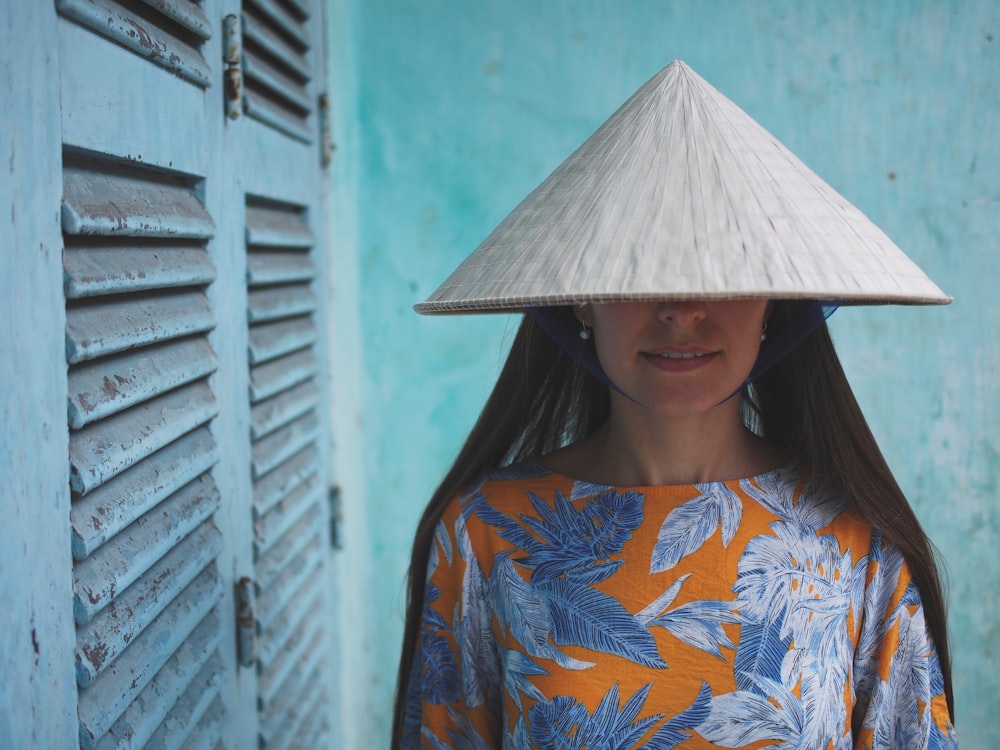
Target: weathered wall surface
{"type": "Point", "coordinates": [462, 108]}
{"type": "Point", "coordinates": [36, 643]}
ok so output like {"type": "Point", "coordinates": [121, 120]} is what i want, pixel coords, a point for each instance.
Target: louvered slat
{"type": "Point", "coordinates": [277, 89]}
{"type": "Point", "coordinates": [279, 625]}
{"type": "Point", "coordinates": [277, 375]}
{"type": "Point", "coordinates": [149, 720]}
{"type": "Point", "coordinates": [107, 699]}
{"type": "Point", "coordinates": [207, 733]}
{"type": "Point", "coordinates": [103, 450]}
{"type": "Point", "coordinates": [289, 494]}
{"type": "Point", "coordinates": [274, 600]}
{"type": "Point", "coordinates": [269, 528]}
{"type": "Point", "coordinates": [280, 19]}
{"type": "Point", "coordinates": [291, 56]}
{"type": "Point", "coordinates": [306, 532]}
{"type": "Point", "coordinates": [271, 340]}
{"type": "Point", "coordinates": [273, 728]}
{"type": "Point", "coordinates": [171, 40]}
{"type": "Point", "coordinates": [306, 637]}
{"type": "Point", "coordinates": [109, 633]}
{"type": "Point", "coordinates": [120, 561]}
{"type": "Point", "coordinates": [315, 722]}
{"type": "Point", "coordinates": [127, 203]}
{"type": "Point", "coordinates": [279, 268]}
{"type": "Point", "coordinates": [92, 271]}
{"type": "Point", "coordinates": [276, 83]}
{"type": "Point", "coordinates": [276, 412]}
{"type": "Point", "coordinates": [99, 515]}
{"type": "Point", "coordinates": [103, 328]}
{"type": "Point", "coordinates": [274, 303]}
{"type": "Point", "coordinates": [141, 451]}
{"type": "Point", "coordinates": [269, 452]}
{"type": "Point", "coordinates": [186, 13]}
{"type": "Point", "coordinates": [102, 388]}
{"type": "Point", "coordinates": [269, 226]}
{"type": "Point", "coordinates": [279, 483]}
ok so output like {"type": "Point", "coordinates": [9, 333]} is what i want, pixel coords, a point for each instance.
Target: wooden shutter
{"type": "Point", "coordinates": [195, 457]}
{"type": "Point", "coordinates": [145, 582]}
{"type": "Point", "coordinates": [277, 65]}
{"type": "Point", "coordinates": [170, 33]}
{"type": "Point", "coordinates": [289, 493]}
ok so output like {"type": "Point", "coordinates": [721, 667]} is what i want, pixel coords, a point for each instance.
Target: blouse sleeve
{"type": "Point", "coordinates": [900, 699]}
{"type": "Point", "coordinates": [453, 694]}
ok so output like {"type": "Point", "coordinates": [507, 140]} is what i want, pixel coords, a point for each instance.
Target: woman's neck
{"type": "Point", "coordinates": [636, 447]}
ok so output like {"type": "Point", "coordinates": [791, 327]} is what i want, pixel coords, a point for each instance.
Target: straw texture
{"type": "Point", "coordinates": [682, 195]}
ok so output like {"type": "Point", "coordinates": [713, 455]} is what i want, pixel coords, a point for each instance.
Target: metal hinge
{"type": "Point", "coordinates": [246, 631]}
{"type": "Point", "coordinates": [232, 43]}
{"type": "Point", "coordinates": [327, 146]}
{"type": "Point", "coordinates": [335, 516]}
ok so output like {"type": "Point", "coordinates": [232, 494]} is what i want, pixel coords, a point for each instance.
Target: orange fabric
{"type": "Point", "coordinates": [737, 614]}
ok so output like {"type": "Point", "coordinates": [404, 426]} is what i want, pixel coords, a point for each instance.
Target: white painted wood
{"type": "Point", "coordinates": [37, 692]}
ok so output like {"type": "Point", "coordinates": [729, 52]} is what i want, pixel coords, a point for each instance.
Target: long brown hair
{"type": "Point", "coordinates": [544, 400]}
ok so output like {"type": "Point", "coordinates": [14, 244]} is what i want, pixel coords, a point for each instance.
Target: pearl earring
{"type": "Point", "coordinates": [763, 332]}
{"type": "Point", "coordinates": [584, 332]}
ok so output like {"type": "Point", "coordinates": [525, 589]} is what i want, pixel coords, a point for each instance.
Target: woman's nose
{"type": "Point", "coordinates": [681, 312]}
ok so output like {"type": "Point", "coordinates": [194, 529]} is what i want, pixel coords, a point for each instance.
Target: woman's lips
{"type": "Point", "coordinates": [679, 361]}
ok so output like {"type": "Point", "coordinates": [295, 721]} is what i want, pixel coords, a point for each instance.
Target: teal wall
{"type": "Point", "coordinates": [459, 108]}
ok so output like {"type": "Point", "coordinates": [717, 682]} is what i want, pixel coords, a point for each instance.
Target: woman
{"type": "Point", "coordinates": [676, 529]}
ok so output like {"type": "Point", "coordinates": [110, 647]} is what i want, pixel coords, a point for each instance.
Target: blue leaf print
{"type": "Point", "coordinates": [517, 667]}
{"type": "Point", "coordinates": [412, 719]}
{"type": "Point", "coordinates": [894, 713]}
{"type": "Point", "coordinates": [519, 739]}
{"type": "Point", "coordinates": [441, 535]}
{"type": "Point", "coordinates": [740, 718]}
{"type": "Point", "coordinates": [467, 737]}
{"type": "Point", "coordinates": [528, 470]}
{"type": "Point", "coordinates": [432, 619]}
{"type": "Point", "coordinates": [687, 527]}
{"type": "Point", "coordinates": [575, 543]}
{"type": "Point", "coordinates": [821, 690]}
{"type": "Point", "coordinates": [474, 630]}
{"type": "Point", "coordinates": [798, 588]}
{"type": "Point", "coordinates": [439, 678]}
{"type": "Point", "coordinates": [664, 600]}
{"type": "Point", "coordinates": [699, 624]}
{"type": "Point", "coordinates": [555, 722]}
{"type": "Point", "coordinates": [435, 743]}
{"type": "Point", "coordinates": [776, 491]}
{"type": "Point", "coordinates": [524, 613]}
{"type": "Point", "coordinates": [580, 490]}
{"type": "Point", "coordinates": [885, 564]}
{"type": "Point", "coordinates": [582, 616]}
{"type": "Point", "coordinates": [564, 723]}
{"type": "Point", "coordinates": [778, 573]}
{"type": "Point", "coordinates": [679, 728]}
{"type": "Point", "coordinates": [759, 654]}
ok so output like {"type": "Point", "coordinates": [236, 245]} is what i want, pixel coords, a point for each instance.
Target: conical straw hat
{"type": "Point", "coordinates": [682, 195]}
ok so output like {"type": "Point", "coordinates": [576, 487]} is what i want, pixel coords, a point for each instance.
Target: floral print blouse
{"type": "Point", "coordinates": [754, 613]}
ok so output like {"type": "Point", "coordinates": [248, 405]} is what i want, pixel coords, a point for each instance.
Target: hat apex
{"type": "Point", "coordinates": [682, 195]}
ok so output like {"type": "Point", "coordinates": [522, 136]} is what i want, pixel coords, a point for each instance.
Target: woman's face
{"type": "Point", "coordinates": [677, 358]}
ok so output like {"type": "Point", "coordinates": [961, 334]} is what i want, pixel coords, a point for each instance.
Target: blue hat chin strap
{"type": "Point", "coordinates": [772, 351]}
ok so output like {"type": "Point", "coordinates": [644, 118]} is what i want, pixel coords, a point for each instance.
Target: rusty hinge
{"type": "Point", "coordinates": [246, 632]}
{"type": "Point", "coordinates": [327, 146]}
{"type": "Point", "coordinates": [335, 516]}
{"type": "Point", "coordinates": [232, 44]}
